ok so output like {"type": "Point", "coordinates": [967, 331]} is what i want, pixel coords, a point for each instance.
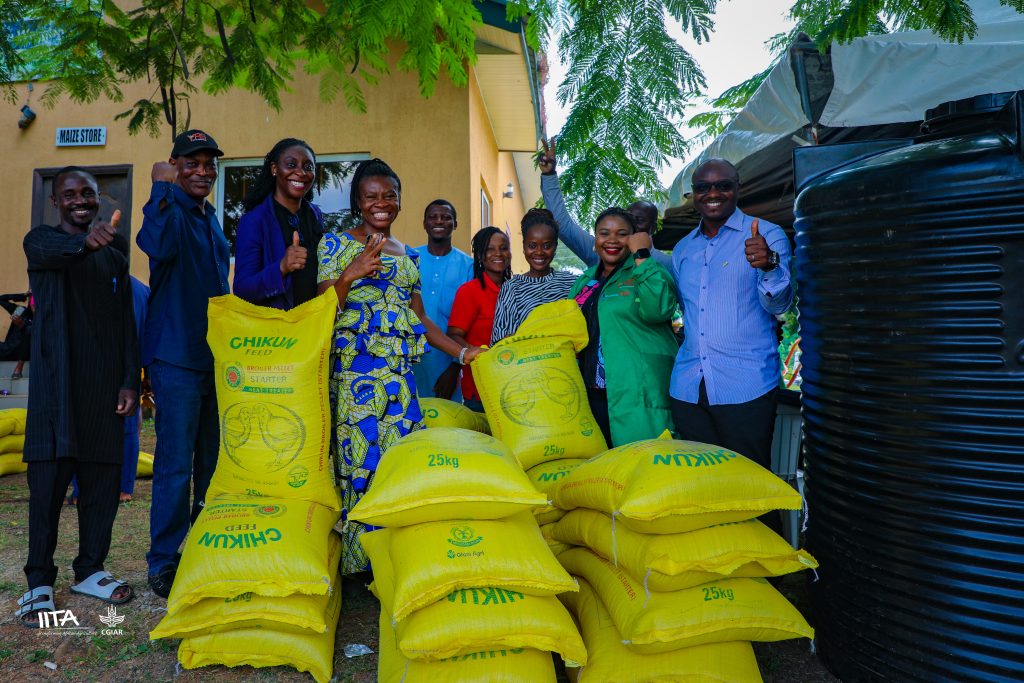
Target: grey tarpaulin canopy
{"type": "Point", "coordinates": [874, 88]}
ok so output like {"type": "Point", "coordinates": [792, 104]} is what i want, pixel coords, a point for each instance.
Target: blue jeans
{"type": "Point", "coordinates": [187, 440]}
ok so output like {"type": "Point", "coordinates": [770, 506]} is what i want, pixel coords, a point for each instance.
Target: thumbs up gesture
{"type": "Point", "coordinates": [102, 233]}
{"type": "Point", "coordinates": [294, 257]}
{"type": "Point", "coordinates": [756, 248]}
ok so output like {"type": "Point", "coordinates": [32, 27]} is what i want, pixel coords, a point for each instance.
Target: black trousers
{"type": "Point", "coordinates": [747, 428]}
{"type": "Point", "coordinates": [598, 399]}
{"type": "Point", "coordinates": [99, 486]}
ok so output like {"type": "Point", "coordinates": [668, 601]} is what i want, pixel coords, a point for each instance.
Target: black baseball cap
{"type": "Point", "coordinates": [192, 141]}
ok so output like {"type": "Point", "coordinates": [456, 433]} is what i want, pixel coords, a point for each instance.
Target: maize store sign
{"type": "Point", "coordinates": [82, 136]}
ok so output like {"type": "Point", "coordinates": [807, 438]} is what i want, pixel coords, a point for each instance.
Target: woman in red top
{"type": "Point", "coordinates": [473, 311]}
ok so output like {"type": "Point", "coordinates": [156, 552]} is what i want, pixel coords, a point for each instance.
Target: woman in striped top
{"type": "Point", "coordinates": [541, 285]}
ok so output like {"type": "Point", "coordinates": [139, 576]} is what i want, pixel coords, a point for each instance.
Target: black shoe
{"type": "Point", "coordinates": [161, 583]}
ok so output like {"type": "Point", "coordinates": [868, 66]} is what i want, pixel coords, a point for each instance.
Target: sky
{"type": "Point", "coordinates": [734, 53]}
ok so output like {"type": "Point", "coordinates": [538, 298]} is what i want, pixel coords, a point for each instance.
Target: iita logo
{"type": "Point", "coordinates": [506, 357]}
{"type": "Point", "coordinates": [463, 536]}
{"type": "Point", "coordinates": [234, 376]}
{"type": "Point", "coordinates": [62, 621]}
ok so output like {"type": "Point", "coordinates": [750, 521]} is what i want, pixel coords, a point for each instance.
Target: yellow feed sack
{"type": "Point", "coordinates": [556, 547]}
{"type": "Point", "coordinates": [10, 463]}
{"type": "Point", "coordinates": [723, 611]}
{"type": "Point", "coordinates": [296, 613]}
{"type": "Point", "coordinates": [532, 389]}
{"type": "Point", "coordinates": [431, 560]}
{"type": "Point", "coordinates": [473, 619]}
{"type": "Point", "coordinates": [260, 647]}
{"type": "Point", "coordinates": [7, 425]}
{"type": "Point", "coordinates": [439, 412]}
{"type": "Point", "coordinates": [544, 477]}
{"type": "Point", "coordinates": [270, 368]}
{"type": "Point", "coordinates": [145, 470]}
{"type": "Point", "coordinates": [15, 443]}
{"type": "Point", "coordinates": [612, 662]}
{"type": "Point", "coordinates": [663, 486]}
{"type": "Point", "coordinates": [446, 473]}
{"type": "Point", "coordinates": [268, 547]}
{"type": "Point", "coordinates": [18, 416]}
{"type": "Point", "coordinates": [514, 665]}
{"type": "Point", "coordinates": [670, 562]}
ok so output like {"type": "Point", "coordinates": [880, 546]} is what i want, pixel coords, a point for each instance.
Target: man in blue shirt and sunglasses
{"type": "Point", "coordinates": [732, 277]}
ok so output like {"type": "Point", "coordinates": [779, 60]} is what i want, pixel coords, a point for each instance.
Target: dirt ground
{"type": "Point", "coordinates": [133, 657]}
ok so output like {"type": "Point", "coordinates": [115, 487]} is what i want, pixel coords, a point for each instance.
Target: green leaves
{"type": "Point", "coordinates": [88, 49]}
{"type": "Point", "coordinates": [844, 20]}
{"type": "Point", "coordinates": [627, 82]}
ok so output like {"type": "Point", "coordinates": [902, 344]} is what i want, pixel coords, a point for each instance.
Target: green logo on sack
{"type": "Point", "coordinates": [297, 476]}
{"type": "Point", "coordinates": [463, 536]}
{"type": "Point", "coordinates": [234, 377]}
{"type": "Point", "coordinates": [588, 426]}
{"type": "Point", "coordinates": [506, 357]}
{"type": "Point", "coordinates": [431, 413]}
{"type": "Point", "coordinates": [270, 510]}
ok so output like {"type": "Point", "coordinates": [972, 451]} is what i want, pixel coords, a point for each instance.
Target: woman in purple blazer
{"type": "Point", "coordinates": [279, 229]}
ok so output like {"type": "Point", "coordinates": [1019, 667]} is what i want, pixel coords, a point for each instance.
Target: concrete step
{"type": "Point", "coordinates": [7, 367]}
{"type": "Point", "coordinates": [19, 401]}
{"type": "Point", "coordinates": [14, 386]}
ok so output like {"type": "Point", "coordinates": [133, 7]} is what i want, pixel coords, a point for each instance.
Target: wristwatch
{"type": "Point", "coordinates": [642, 253]}
{"type": "Point", "coordinates": [773, 261]}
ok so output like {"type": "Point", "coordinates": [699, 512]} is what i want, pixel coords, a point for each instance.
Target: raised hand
{"type": "Point", "coordinates": [638, 241]}
{"type": "Point", "coordinates": [294, 257]}
{"type": "Point", "coordinates": [164, 172]}
{"type": "Point", "coordinates": [102, 233]}
{"type": "Point", "coordinates": [546, 156]}
{"type": "Point", "coordinates": [756, 248]}
{"type": "Point", "coordinates": [368, 263]}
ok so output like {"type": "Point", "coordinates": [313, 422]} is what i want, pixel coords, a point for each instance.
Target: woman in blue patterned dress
{"type": "Point", "coordinates": [380, 332]}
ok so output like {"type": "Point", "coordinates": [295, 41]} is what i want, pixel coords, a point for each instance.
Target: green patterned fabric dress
{"type": "Point", "coordinates": [377, 337]}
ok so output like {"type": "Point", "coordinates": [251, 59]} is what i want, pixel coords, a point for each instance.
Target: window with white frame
{"type": "Point", "coordinates": [331, 190]}
{"type": "Point", "coordinates": [485, 207]}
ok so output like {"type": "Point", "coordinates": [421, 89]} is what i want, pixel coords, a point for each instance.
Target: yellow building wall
{"type": "Point", "coordinates": [493, 170]}
{"type": "Point", "coordinates": [429, 143]}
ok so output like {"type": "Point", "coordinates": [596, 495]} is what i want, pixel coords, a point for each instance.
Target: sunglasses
{"type": "Point", "coordinates": [721, 186]}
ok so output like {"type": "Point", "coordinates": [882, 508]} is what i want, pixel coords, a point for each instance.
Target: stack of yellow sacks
{"type": "Point", "coordinates": [12, 441]}
{"type": "Point", "coordinates": [258, 579]}
{"type": "Point", "coordinates": [464, 576]}
{"type": "Point", "coordinates": [671, 562]}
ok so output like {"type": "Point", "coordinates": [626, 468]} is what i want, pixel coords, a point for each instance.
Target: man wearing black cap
{"type": "Point", "coordinates": [188, 264]}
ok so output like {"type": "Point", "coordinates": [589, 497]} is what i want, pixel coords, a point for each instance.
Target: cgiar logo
{"type": "Point", "coordinates": [463, 536]}
{"type": "Point", "coordinates": [234, 376]}
{"type": "Point", "coordinates": [506, 357]}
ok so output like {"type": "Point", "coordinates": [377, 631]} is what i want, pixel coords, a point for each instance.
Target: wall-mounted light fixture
{"type": "Point", "coordinates": [509, 192]}
{"type": "Point", "coordinates": [27, 117]}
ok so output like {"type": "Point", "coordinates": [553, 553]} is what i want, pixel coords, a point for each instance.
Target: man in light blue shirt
{"type": "Point", "coordinates": [732, 277]}
{"type": "Point", "coordinates": [443, 269]}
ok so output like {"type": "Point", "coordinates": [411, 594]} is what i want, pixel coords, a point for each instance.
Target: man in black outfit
{"type": "Point", "coordinates": [84, 382]}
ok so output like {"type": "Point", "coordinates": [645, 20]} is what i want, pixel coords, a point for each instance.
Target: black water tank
{"type": "Point", "coordinates": [911, 274]}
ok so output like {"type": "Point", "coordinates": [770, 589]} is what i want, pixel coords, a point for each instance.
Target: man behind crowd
{"type": "Point", "coordinates": [580, 241]}
{"type": "Point", "coordinates": [84, 382]}
{"type": "Point", "coordinates": [443, 269]}
{"type": "Point", "coordinates": [188, 262]}
{"type": "Point", "coordinates": [732, 276]}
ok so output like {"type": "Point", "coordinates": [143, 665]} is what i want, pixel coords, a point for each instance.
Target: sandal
{"type": "Point", "coordinates": [39, 599]}
{"type": "Point", "coordinates": [102, 586]}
